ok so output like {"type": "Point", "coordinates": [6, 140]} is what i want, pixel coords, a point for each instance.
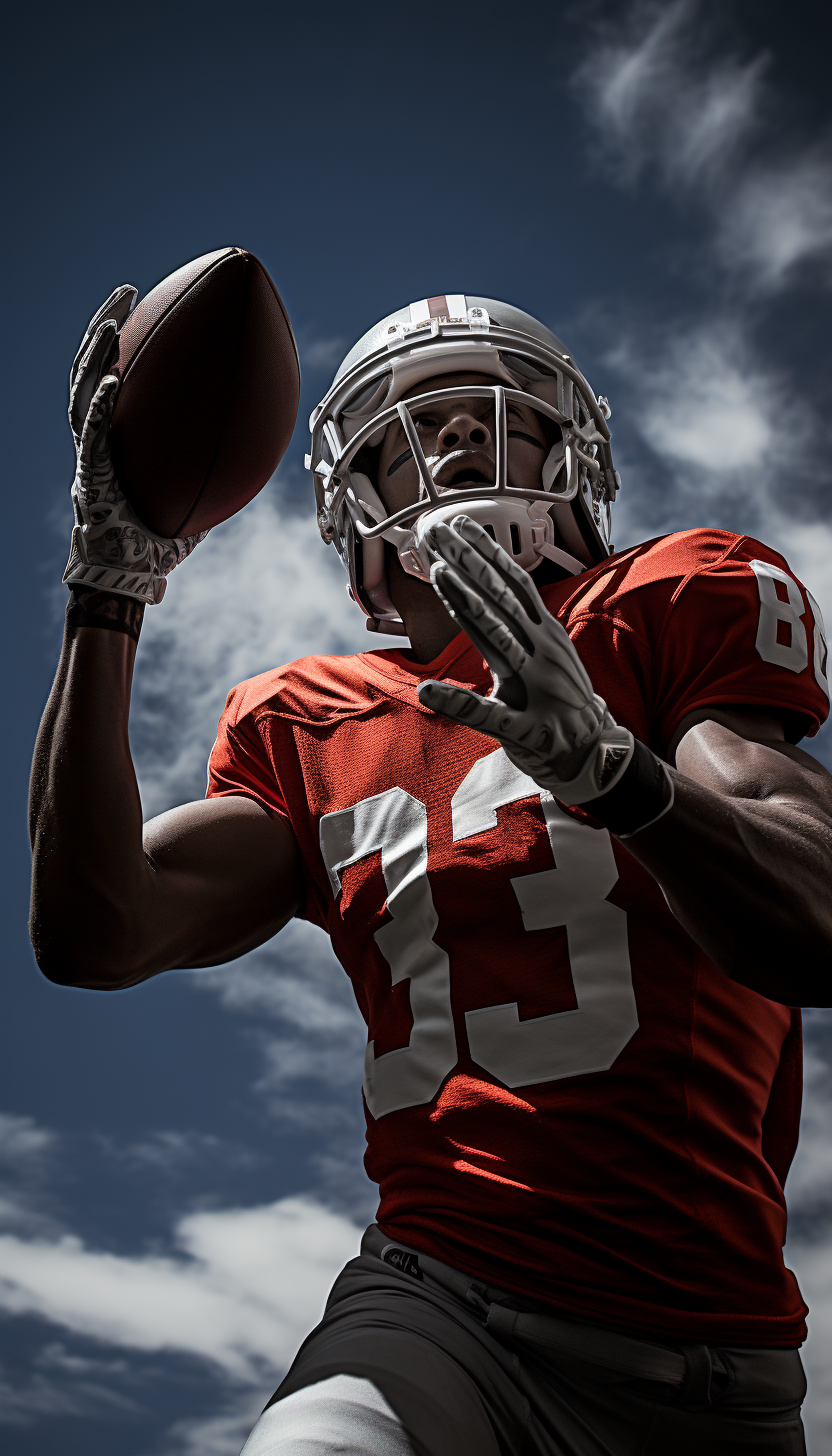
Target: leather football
{"type": "Point", "coordinates": [209, 393]}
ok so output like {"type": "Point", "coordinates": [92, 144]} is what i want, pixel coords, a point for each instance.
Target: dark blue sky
{"type": "Point", "coordinates": [654, 183]}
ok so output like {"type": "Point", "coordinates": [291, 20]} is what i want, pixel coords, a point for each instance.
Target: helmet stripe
{"type": "Point", "coordinates": [443, 306]}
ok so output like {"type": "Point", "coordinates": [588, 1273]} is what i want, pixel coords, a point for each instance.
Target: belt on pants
{"type": "Point", "coordinates": [687, 1367]}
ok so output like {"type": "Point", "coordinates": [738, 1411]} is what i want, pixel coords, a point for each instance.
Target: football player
{"type": "Point", "coordinates": [571, 859]}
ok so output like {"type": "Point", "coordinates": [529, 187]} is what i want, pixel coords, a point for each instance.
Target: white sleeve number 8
{"type": "Point", "coordinates": [793, 654]}
{"type": "Point", "coordinates": [573, 893]}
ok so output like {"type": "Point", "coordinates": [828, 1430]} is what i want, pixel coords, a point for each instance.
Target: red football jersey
{"type": "Point", "coordinates": [564, 1096]}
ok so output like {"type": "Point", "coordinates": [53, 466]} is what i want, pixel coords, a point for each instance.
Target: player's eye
{"type": "Point", "coordinates": [426, 422]}
{"type": "Point", "coordinates": [515, 434]}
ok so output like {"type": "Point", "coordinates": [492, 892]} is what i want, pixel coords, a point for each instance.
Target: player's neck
{"type": "Point", "coordinates": [428, 625]}
{"type": "Point", "coordinates": [426, 645]}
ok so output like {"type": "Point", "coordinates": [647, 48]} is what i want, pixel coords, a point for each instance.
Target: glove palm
{"type": "Point", "coordinates": [543, 709]}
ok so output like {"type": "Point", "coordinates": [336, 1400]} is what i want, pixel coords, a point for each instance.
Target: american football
{"type": "Point", "coordinates": [209, 393]}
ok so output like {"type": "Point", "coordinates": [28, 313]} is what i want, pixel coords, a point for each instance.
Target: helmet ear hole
{"type": "Point", "coordinates": [374, 568]}
{"type": "Point", "coordinates": [366, 462]}
{"type": "Point", "coordinates": [375, 578]}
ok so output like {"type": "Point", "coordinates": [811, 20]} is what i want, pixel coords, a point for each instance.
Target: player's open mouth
{"type": "Point", "coordinates": [464, 467]}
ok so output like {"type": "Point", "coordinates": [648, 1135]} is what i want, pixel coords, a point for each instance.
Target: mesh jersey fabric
{"type": "Point", "coordinates": [598, 1119]}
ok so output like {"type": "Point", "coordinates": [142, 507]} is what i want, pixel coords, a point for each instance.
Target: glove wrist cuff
{"type": "Point", "coordinates": [88, 607]}
{"type": "Point", "coordinates": [142, 585]}
{"type": "Point", "coordinates": [114, 581]}
{"type": "Point", "coordinates": [603, 766]}
{"type": "Point", "coordinates": [639, 795]}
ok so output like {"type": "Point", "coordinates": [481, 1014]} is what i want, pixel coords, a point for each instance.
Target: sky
{"type": "Point", "coordinates": [181, 1162]}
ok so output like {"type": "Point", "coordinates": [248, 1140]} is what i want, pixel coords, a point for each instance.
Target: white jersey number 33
{"type": "Point", "coordinates": [572, 893]}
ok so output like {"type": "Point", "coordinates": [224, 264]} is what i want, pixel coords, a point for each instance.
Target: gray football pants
{"type": "Point", "coordinates": [406, 1360]}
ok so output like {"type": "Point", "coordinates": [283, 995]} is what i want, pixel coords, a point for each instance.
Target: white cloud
{"type": "Point", "coordinates": [262, 590]}
{"type": "Point", "coordinates": [56, 1356]}
{"type": "Point", "coordinates": [704, 403]}
{"type": "Point", "coordinates": [663, 96]}
{"type": "Point", "coordinates": [320, 354]}
{"type": "Point", "coordinates": [27, 1156]}
{"type": "Point", "coordinates": [22, 1140]}
{"type": "Point", "coordinates": [216, 1435]}
{"type": "Point", "coordinates": [88, 1389]}
{"type": "Point", "coordinates": [295, 979]}
{"type": "Point", "coordinates": [175, 1151]}
{"type": "Point", "coordinates": [24, 1403]}
{"type": "Point", "coordinates": [808, 549]}
{"type": "Point", "coordinates": [297, 984]}
{"type": "Point", "coordinates": [18, 1212]}
{"type": "Point", "coordinates": [657, 98]}
{"type": "Point", "coordinates": [812, 1263]}
{"type": "Point", "coordinates": [244, 1289]}
{"type": "Point", "coordinates": [779, 218]}
{"type": "Point", "coordinates": [301, 1009]}
{"type": "Point", "coordinates": [169, 1149]}
{"type": "Point", "coordinates": [810, 1177]}
{"type": "Point", "coordinates": [290, 1065]}
{"type": "Point", "coordinates": [809, 1252]}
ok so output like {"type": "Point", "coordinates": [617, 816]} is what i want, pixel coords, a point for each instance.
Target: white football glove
{"type": "Point", "coordinates": [111, 549]}
{"type": "Point", "coordinates": [543, 709]}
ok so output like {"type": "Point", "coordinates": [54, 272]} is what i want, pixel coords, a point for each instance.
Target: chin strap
{"type": "Point", "coordinates": [391, 629]}
{"type": "Point", "coordinates": [562, 558]}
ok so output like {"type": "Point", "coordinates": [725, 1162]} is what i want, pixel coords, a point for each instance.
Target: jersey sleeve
{"type": "Point", "coordinates": [251, 759]}
{"type": "Point", "coordinates": [240, 763]}
{"type": "Point", "coordinates": [740, 629]}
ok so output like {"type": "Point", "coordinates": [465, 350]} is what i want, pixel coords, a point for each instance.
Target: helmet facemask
{"type": "Point", "coordinates": [576, 487]}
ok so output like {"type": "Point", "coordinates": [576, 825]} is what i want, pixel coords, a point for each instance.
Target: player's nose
{"type": "Point", "coordinates": [464, 431]}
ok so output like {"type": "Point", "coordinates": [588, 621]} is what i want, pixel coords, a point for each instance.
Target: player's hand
{"type": "Point", "coordinates": [111, 549]}
{"type": "Point", "coordinates": [543, 709]}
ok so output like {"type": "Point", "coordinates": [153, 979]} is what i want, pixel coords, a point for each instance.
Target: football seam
{"type": "Point", "coordinates": [247, 261]}
{"type": "Point", "coordinates": [172, 305]}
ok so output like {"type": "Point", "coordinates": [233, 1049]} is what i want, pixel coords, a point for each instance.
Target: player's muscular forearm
{"type": "Point", "coordinates": [744, 858]}
{"type": "Point", "coordinates": [210, 880]}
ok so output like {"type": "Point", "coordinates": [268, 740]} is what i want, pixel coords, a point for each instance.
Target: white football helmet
{"type": "Point", "coordinates": [444, 335]}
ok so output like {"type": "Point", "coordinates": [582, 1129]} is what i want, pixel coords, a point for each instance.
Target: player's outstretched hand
{"type": "Point", "coordinates": [110, 548]}
{"type": "Point", "coordinates": [543, 709]}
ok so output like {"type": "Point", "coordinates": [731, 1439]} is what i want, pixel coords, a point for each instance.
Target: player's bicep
{"type": "Point", "coordinates": [743, 754]}
{"type": "Point", "coordinates": [758, 725]}
{"type": "Point", "coordinates": [226, 877]}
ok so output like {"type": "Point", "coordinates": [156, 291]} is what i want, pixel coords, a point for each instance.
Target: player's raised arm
{"type": "Point", "coordinates": [738, 834]}
{"type": "Point", "coordinates": [211, 879]}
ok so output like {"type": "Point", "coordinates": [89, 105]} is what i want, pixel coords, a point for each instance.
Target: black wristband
{"type": "Point", "coordinates": [643, 793]}
{"type": "Point", "coordinates": [89, 607]}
